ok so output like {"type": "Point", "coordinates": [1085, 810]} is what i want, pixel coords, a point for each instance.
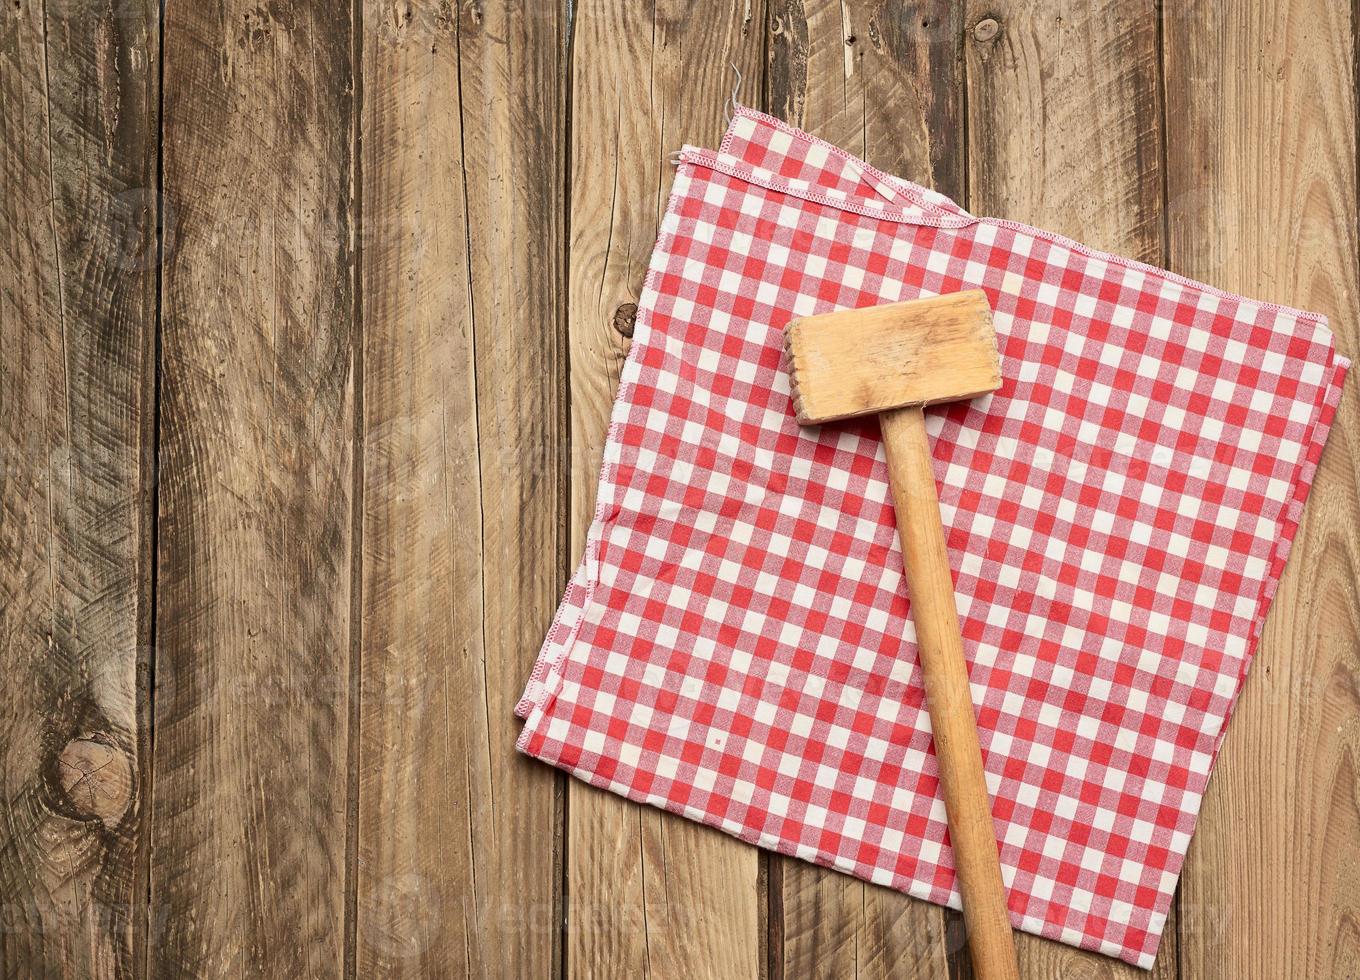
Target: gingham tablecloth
{"type": "Point", "coordinates": [736, 646]}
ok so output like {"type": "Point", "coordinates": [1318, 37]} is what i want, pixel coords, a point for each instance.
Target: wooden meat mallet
{"type": "Point", "coordinates": [893, 360]}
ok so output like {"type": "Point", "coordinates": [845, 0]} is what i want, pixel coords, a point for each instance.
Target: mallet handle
{"type": "Point", "coordinates": [940, 649]}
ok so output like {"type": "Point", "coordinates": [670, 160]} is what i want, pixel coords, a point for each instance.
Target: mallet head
{"type": "Point", "coordinates": [859, 362]}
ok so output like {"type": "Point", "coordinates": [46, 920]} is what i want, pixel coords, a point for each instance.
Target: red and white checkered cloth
{"type": "Point", "coordinates": [736, 645]}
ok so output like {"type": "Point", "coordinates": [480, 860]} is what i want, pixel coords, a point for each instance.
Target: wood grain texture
{"type": "Point", "coordinates": [918, 352]}
{"type": "Point", "coordinates": [1262, 177]}
{"type": "Point", "coordinates": [883, 80]}
{"type": "Point", "coordinates": [944, 676]}
{"type": "Point", "coordinates": [248, 869]}
{"type": "Point", "coordinates": [878, 77]}
{"type": "Point", "coordinates": [464, 484]}
{"type": "Point", "coordinates": [1064, 119]}
{"type": "Point", "coordinates": [649, 894]}
{"type": "Point", "coordinates": [77, 325]}
{"type": "Point", "coordinates": [1065, 115]}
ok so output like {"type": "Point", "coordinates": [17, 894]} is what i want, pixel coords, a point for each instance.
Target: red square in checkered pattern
{"type": "Point", "coordinates": [736, 645]}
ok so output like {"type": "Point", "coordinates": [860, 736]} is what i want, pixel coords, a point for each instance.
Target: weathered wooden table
{"type": "Point", "coordinates": [310, 319]}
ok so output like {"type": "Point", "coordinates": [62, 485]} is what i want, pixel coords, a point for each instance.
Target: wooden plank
{"type": "Point", "coordinates": [464, 533]}
{"type": "Point", "coordinates": [248, 869]}
{"type": "Point", "coordinates": [881, 80]}
{"type": "Point", "coordinates": [1064, 119]}
{"type": "Point", "coordinates": [1262, 179]}
{"type": "Point", "coordinates": [1064, 132]}
{"type": "Point", "coordinates": [884, 82]}
{"type": "Point", "coordinates": [648, 893]}
{"type": "Point", "coordinates": [77, 330]}
{"type": "Point", "coordinates": [513, 85]}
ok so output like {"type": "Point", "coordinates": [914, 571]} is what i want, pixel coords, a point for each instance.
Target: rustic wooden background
{"type": "Point", "coordinates": [310, 320]}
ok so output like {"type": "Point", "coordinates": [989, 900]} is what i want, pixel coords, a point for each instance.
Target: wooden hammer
{"type": "Point", "coordinates": [894, 360]}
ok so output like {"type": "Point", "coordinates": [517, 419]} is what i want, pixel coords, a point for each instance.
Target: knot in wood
{"type": "Point", "coordinates": [986, 30]}
{"type": "Point", "coordinates": [95, 776]}
{"type": "Point", "coordinates": [625, 317]}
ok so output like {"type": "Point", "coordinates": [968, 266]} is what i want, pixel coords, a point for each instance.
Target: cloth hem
{"type": "Point", "coordinates": [545, 665]}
